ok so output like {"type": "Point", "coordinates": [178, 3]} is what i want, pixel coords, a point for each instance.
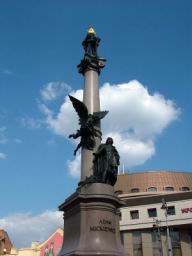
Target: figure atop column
{"type": "Point", "coordinates": [91, 43]}
{"type": "Point", "coordinates": [91, 60]}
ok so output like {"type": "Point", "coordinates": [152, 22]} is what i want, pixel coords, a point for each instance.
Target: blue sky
{"type": "Point", "coordinates": [147, 42]}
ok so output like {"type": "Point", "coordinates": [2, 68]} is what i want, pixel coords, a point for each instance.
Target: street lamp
{"type": "Point", "coordinates": [157, 225]}
{"type": "Point", "coordinates": [165, 208]}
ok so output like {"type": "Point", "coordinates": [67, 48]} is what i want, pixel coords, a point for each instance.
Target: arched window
{"type": "Point", "coordinates": [169, 188]}
{"type": "Point", "coordinates": [134, 190]}
{"type": "Point", "coordinates": [185, 188]}
{"type": "Point", "coordinates": [152, 189]}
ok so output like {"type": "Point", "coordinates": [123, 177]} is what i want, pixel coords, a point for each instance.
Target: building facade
{"type": "Point", "coordinates": [49, 247]}
{"type": "Point", "coordinates": [156, 202]}
{"type": "Point", "coordinates": [5, 243]}
{"type": "Point", "coordinates": [52, 246]}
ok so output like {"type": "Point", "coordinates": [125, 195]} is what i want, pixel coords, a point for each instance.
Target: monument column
{"type": "Point", "coordinates": [90, 67]}
{"type": "Point", "coordinates": [91, 214]}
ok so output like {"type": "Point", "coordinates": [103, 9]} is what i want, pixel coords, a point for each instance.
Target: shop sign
{"type": "Point", "coordinates": [186, 210]}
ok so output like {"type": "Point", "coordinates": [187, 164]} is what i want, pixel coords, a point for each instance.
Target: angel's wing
{"type": "Point", "coordinates": [80, 108]}
{"type": "Point", "coordinates": [99, 115]}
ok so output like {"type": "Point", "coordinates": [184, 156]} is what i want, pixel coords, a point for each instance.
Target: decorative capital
{"type": "Point", "coordinates": [91, 60]}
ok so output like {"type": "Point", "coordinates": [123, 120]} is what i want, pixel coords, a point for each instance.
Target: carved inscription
{"type": "Point", "coordinates": [104, 222]}
{"type": "Point", "coordinates": [103, 225]}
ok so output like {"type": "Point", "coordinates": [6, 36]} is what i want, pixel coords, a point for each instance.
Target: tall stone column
{"type": "Point", "coordinates": [90, 67]}
{"type": "Point", "coordinates": [91, 214]}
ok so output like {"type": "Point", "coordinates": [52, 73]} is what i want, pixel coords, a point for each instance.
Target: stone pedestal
{"type": "Point", "coordinates": [91, 222]}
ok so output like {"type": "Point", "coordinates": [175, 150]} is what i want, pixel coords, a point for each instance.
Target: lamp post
{"type": "Point", "coordinates": [165, 208]}
{"type": "Point", "coordinates": [157, 225]}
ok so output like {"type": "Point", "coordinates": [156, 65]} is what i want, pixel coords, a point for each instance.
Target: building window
{"type": "Point", "coordinates": [134, 214]}
{"type": "Point", "coordinates": [137, 244]}
{"type": "Point", "coordinates": [175, 240]}
{"type": "Point", "coordinates": [169, 188]}
{"type": "Point", "coordinates": [152, 189]}
{"type": "Point", "coordinates": [122, 236]}
{"type": "Point", "coordinates": [152, 212]}
{"type": "Point", "coordinates": [185, 189]}
{"type": "Point", "coordinates": [171, 210]}
{"type": "Point", "coordinates": [134, 190]}
{"type": "Point", "coordinates": [156, 243]}
{"type": "Point", "coordinates": [120, 216]}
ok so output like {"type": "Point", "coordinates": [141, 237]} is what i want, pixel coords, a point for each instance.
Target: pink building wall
{"type": "Point", "coordinates": [56, 240]}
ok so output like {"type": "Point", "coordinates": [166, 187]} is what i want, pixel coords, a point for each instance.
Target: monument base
{"type": "Point", "coordinates": [91, 222]}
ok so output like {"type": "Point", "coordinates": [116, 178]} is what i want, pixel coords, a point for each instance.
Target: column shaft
{"type": "Point", "coordinates": [91, 100]}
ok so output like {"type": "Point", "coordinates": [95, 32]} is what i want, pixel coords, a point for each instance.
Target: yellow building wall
{"type": "Point", "coordinates": [33, 251]}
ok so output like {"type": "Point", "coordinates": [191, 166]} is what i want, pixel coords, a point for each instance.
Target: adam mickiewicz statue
{"type": "Point", "coordinates": [105, 164]}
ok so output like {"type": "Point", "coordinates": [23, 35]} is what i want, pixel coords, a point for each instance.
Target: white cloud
{"type": "Point", "coordinates": [74, 166]}
{"type": "Point", "coordinates": [51, 142]}
{"type": "Point", "coordinates": [3, 138]}
{"type": "Point", "coordinates": [23, 228]}
{"type": "Point", "coordinates": [52, 90]}
{"type": "Point", "coordinates": [7, 72]}
{"type": "Point", "coordinates": [132, 151]}
{"type": "Point", "coordinates": [3, 156]}
{"type": "Point", "coordinates": [136, 117]}
{"type": "Point", "coordinates": [3, 129]}
{"type": "Point", "coordinates": [66, 120]}
{"type": "Point", "coordinates": [18, 141]}
{"type": "Point", "coordinates": [31, 122]}
{"type": "Point", "coordinates": [133, 108]}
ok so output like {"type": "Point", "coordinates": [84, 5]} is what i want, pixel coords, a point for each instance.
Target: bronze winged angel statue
{"type": "Point", "coordinates": [88, 125]}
